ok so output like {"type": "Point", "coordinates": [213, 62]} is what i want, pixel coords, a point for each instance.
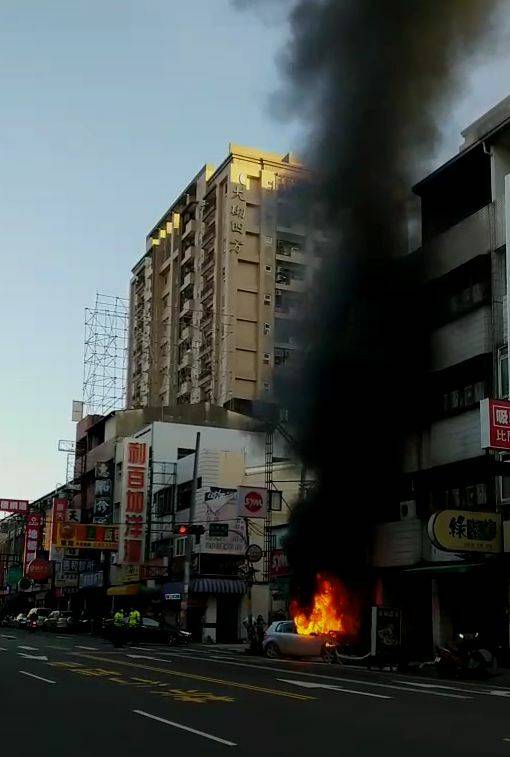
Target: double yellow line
{"type": "Point", "coordinates": [196, 677]}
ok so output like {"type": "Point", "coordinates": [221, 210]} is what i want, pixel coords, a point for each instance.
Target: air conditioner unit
{"type": "Point", "coordinates": [408, 510]}
{"type": "Point", "coordinates": [267, 298]}
{"type": "Point", "coordinates": [267, 358]}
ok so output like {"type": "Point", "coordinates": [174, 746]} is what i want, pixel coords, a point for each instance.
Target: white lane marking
{"type": "Point", "coordinates": [146, 657]}
{"type": "Point", "coordinates": [312, 685]}
{"type": "Point", "coordinates": [39, 678]}
{"type": "Point", "coordinates": [4, 636]}
{"type": "Point", "coordinates": [338, 679]}
{"type": "Point", "coordinates": [89, 649]}
{"type": "Point", "coordinates": [30, 649]}
{"type": "Point", "coordinates": [483, 692]}
{"type": "Point", "coordinates": [61, 637]}
{"type": "Point", "coordinates": [3, 649]}
{"type": "Point", "coordinates": [33, 656]}
{"type": "Point", "coordinates": [184, 728]}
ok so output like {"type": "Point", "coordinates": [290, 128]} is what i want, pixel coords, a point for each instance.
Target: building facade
{"type": "Point", "coordinates": [213, 299]}
{"type": "Point", "coordinates": [464, 250]}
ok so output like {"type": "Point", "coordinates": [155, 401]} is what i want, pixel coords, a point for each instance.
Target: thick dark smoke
{"type": "Point", "coordinates": [371, 78]}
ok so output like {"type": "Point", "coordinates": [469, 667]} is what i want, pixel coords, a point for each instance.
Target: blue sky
{"type": "Point", "coordinates": [108, 108]}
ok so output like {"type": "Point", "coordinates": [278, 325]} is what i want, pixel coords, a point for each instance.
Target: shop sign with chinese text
{"type": "Point", "coordinates": [103, 492]}
{"type": "Point", "coordinates": [466, 531]}
{"type": "Point", "coordinates": [133, 502]}
{"type": "Point", "coordinates": [31, 538]}
{"type": "Point", "coordinates": [19, 506]}
{"type": "Point", "coordinates": [495, 424]}
{"type": "Point", "coordinates": [87, 536]}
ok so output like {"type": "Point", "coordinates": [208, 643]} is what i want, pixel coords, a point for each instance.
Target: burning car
{"type": "Point", "coordinates": [330, 612]}
{"type": "Point", "coordinates": [282, 638]}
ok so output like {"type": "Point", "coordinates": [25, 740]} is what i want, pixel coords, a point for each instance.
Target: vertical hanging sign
{"type": "Point", "coordinates": [31, 538]}
{"type": "Point", "coordinates": [133, 502]}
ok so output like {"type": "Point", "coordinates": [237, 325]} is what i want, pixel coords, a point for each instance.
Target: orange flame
{"type": "Point", "coordinates": [329, 611]}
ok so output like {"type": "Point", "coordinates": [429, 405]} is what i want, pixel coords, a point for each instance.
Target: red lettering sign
{"type": "Point", "coordinates": [137, 453]}
{"type": "Point", "coordinates": [495, 424]}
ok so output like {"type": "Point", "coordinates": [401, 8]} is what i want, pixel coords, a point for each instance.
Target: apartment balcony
{"type": "Point", "coordinates": [462, 339]}
{"type": "Point", "coordinates": [188, 256]}
{"type": "Point", "coordinates": [184, 388]}
{"type": "Point", "coordinates": [187, 280]}
{"type": "Point", "coordinates": [189, 228]}
{"type": "Point", "coordinates": [185, 334]}
{"type": "Point", "coordinates": [288, 284]}
{"type": "Point", "coordinates": [208, 290]}
{"type": "Point", "coordinates": [206, 348]}
{"type": "Point", "coordinates": [204, 376]}
{"type": "Point", "coordinates": [187, 308]}
{"type": "Point", "coordinates": [185, 361]}
{"type": "Point", "coordinates": [462, 242]}
{"type": "Point", "coordinates": [207, 263]}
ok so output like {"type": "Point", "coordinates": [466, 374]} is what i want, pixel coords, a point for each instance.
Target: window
{"type": "Point", "coordinates": [503, 372]}
{"type": "Point", "coordinates": [179, 547]}
{"type": "Point", "coordinates": [184, 493]}
{"type": "Point", "coordinates": [163, 500]}
{"type": "Point", "coordinates": [286, 627]}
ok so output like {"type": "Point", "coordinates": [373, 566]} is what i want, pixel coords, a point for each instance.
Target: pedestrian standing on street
{"type": "Point", "coordinates": [134, 622]}
{"type": "Point", "coordinates": [260, 628]}
{"type": "Point", "coordinates": [118, 629]}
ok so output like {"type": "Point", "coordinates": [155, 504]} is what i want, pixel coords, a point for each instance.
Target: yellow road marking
{"type": "Point", "coordinates": [196, 677]}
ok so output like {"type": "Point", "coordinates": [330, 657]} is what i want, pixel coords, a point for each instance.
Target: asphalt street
{"type": "Point", "coordinates": [70, 695]}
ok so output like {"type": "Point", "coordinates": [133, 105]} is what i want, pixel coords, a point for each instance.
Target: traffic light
{"type": "Point", "coordinates": [187, 529]}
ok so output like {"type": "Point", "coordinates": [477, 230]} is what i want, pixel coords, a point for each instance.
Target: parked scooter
{"type": "Point", "coordinates": [464, 658]}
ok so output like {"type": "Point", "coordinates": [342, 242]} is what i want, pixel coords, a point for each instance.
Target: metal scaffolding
{"type": "Point", "coordinates": [105, 355]}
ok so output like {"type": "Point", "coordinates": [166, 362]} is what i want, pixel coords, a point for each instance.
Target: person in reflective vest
{"type": "Point", "coordinates": [135, 619]}
{"type": "Point", "coordinates": [118, 619]}
{"type": "Point", "coordinates": [118, 629]}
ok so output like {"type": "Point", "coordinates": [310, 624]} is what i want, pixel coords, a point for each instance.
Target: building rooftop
{"type": "Point", "coordinates": [495, 119]}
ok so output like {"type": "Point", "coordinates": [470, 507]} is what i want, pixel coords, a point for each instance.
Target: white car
{"type": "Point", "coordinates": [282, 638]}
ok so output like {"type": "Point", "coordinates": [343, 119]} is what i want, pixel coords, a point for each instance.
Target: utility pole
{"type": "Point", "coordinates": [189, 538]}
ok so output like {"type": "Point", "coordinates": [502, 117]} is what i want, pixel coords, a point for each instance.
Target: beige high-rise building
{"type": "Point", "coordinates": [214, 297]}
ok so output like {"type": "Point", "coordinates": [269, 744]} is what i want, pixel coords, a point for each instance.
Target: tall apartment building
{"type": "Point", "coordinates": [214, 296]}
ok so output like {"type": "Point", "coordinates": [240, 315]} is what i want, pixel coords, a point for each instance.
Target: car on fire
{"type": "Point", "coordinates": [282, 638]}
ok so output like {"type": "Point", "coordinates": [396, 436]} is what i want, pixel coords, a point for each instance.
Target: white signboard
{"type": "Point", "coordinates": [251, 502]}
{"type": "Point", "coordinates": [220, 506]}
{"type": "Point", "coordinates": [133, 502]}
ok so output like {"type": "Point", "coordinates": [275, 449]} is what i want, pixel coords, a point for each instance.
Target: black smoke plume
{"type": "Point", "coordinates": [371, 79]}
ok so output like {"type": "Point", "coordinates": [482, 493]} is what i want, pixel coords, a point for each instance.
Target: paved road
{"type": "Point", "coordinates": [65, 695]}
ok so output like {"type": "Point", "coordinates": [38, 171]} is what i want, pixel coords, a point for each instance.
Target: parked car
{"type": "Point", "coordinates": [152, 631]}
{"type": "Point", "coordinates": [20, 621]}
{"type": "Point", "coordinates": [60, 620]}
{"type": "Point", "coordinates": [36, 617]}
{"type": "Point", "coordinates": [282, 638]}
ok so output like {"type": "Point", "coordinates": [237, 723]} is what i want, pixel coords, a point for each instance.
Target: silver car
{"type": "Point", "coordinates": [282, 638]}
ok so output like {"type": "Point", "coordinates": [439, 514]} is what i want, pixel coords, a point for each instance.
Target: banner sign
{"type": "Point", "coordinates": [251, 502]}
{"type": "Point", "coordinates": [220, 507]}
{"type": "Point", "coordinates": [386, 636]}
{"type": "Point", "coordinates": [31, 538]}
{"type": "Point", "coordinates": [87, 536]}
{"type": "Point", "coordinates": [103, 494]}
{"type": "Point", "coordinates": [279, 565]}
{"type": "Point", "coordinates": [133, 502]}
{"type": "Point", "coordinates": [19, 506]}
{"type": "Point", "coordinates": [466, 531]}
{"type": "Point", "coordinates": [495, 424]}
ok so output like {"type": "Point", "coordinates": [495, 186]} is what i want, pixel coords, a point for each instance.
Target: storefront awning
{"type": "Point", "coordinates": [129, 590]}
{"type": "Point", "coordinates": [218, 586]}
{"type": "Point", "coordinates": [439, 570]}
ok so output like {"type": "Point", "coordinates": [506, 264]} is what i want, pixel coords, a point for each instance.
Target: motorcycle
{"type": "Point", "coordinates": [465, 657]}
{"type": "Point", "coordinates": [340, 649]}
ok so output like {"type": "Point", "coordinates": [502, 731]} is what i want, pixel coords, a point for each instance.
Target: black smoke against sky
{"type": "Point", "coordinates": [370, 79]}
